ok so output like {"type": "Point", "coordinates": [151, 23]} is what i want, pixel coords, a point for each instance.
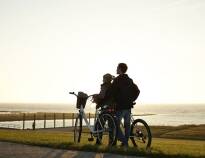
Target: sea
{"type": "Point", "coordinates": [153, 114]}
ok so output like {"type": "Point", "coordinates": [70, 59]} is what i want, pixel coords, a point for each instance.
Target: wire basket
{"type": "Point", "coordinates": [81, 100]}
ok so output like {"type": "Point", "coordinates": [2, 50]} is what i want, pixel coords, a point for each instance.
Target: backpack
{"type": "Point", "coordinates": [134, 92]}
{"type": "Point", "coordinates": [130, 91]}
{"type": "Point", "coordinates": [125, 92]}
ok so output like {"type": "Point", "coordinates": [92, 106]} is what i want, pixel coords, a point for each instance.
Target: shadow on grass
{"type": "Point", "coordinates": [132, 151]}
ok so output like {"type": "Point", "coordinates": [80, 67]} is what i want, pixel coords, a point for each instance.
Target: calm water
{"type": "Point", "coordinates": [162, 114]}
{"type": "Point", "coordinates": [173, 115]}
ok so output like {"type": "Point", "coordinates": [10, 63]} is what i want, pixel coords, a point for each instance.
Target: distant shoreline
{"type": "Point", "coordinates": [172, 115]}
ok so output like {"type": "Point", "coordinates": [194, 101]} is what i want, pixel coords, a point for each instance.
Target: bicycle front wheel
{"type": "Point", "coordinates": [78, 129]}
{"type": "Point", "coordinates": [140, 134]}
{"type": "Point", "coordinates": [106, 129]}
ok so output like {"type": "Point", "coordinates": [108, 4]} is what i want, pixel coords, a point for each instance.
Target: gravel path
{"type": "Point", "coordinates": [13, 150]}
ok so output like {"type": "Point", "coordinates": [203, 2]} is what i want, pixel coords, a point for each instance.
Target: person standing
{"type": "Point", "coordinates": [120, 92]}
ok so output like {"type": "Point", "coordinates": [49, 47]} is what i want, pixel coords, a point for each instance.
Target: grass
{"type": "Point", "coordinates": [186, 148]}
{"type": "Point", "coordinates": [193, 132]}
{"type": "Point", "coordinates": [162, 145]}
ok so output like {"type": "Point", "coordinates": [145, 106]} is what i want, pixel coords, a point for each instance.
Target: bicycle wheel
{"type": "Point", "coordinates": [78, 129]}
{"type": "Point", "coordinates": [106, 129]}
{"type": "Point", "coordinates": [140, 134]}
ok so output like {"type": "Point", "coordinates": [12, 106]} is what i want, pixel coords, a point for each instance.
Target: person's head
{"type": "Point", "coordinates": [121, 68]}
{"type": "Point", "coordinates": [107, 78]}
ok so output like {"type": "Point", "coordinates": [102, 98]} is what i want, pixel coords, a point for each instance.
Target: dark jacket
{"type": "Point", "coordinates": [118, 91]}
{"type": "Point", "coordinates": [103, 89]}
{"type": "Point", "coordinates": [101, 99]}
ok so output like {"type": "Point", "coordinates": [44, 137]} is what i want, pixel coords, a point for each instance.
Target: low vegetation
{"type": "Point", "coordinates": [180, 142]}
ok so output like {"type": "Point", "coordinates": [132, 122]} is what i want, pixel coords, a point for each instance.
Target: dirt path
{"type": "Point", "coordinates": [13, 150]}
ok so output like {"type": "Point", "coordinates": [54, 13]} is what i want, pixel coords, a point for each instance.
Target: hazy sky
{"type": "Point", "coordinates": [48, 48]}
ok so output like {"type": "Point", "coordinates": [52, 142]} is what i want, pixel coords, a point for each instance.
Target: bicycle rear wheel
{"type": "Point", "coordinates": [78, 129]}
{"type": "Point", "coordinates": [140, 134]}
{"type": "Point", "coordinates": [107, 129]}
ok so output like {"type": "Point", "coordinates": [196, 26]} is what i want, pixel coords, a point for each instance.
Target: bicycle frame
{"type": "Point", "coordinates": [101, 121]}
{"type": "Point", "coordinates": [131, 120]}
{"type": "Point", "coordinates": [91, 128]}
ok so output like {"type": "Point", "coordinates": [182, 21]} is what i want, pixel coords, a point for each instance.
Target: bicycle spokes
{"type": "Point", "coordinates": [140, 134]}
{"type": "Point", "coordinates": [106, 125]}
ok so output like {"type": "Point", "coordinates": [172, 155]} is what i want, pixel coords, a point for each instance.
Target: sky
{"type": "Point", "coordinates": [51, 47]}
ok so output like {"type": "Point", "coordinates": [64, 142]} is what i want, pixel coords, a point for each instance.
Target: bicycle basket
{"type": "Point", "coordinates": [81, 100]}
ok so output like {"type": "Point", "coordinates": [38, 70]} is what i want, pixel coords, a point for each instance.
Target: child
{"type": "Point", "coordinates": [99, 98]}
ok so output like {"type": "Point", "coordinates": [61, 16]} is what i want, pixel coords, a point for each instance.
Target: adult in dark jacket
{"type": "Point", "coordinates": [123, 101]}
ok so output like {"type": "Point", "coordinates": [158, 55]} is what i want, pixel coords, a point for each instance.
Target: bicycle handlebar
{"type": "Point", "coordinates": [73, 93]}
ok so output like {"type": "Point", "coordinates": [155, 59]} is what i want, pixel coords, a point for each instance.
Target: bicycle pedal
{"type": "Point", "coordinates": [90, 139]}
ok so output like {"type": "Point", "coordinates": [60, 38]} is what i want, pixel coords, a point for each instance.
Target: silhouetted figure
{"type": "Point", "coordinates": [99, 99]}
{"type": "Point", "coordinates": [120, 91]}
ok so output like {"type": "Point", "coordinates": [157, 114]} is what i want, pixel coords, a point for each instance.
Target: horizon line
{"type": "Point", "coordinates": [63, 103]}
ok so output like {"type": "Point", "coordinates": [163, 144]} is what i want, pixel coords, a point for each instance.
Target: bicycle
{"type": "Point", "coordinates": [140, 133]}
{"type": "Point", "coordinates": [104, 128]}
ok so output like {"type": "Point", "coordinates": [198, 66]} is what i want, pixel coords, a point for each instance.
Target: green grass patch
{"type": "Point", "coordinates": [161, 147]}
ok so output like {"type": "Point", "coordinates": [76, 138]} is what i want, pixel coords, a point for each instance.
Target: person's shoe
{"type": "Point", "coordinates": [114, 144]}
{"type": "Point", "coordinates": [122, 144]}
{"type": "Point", "coordinates": [98, 142]}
